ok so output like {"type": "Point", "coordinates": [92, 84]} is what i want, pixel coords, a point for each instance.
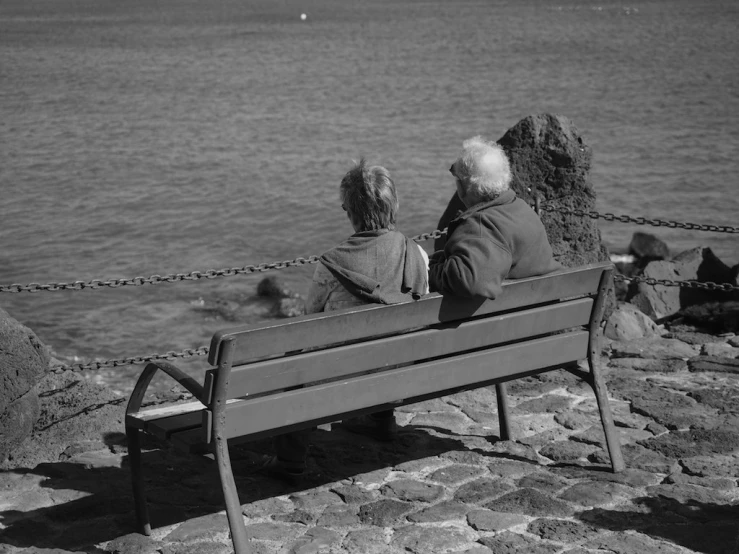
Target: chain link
{"type": "Point", "coordinates": [642, 220]}
{"type": "Point", "coordinates": [156, 279]}
{"type": "Point", "coordinates": [135, 360]}
{"type": "Point", "coordinates": [689, 284]}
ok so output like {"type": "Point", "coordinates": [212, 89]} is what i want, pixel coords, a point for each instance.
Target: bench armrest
{"type": "Point", "coordinates": [137, 396]}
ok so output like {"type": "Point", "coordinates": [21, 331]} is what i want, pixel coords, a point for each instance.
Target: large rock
{"type": "Point", "coordinates": [76, 415]}
{"type": "Point", "coordinates": [627, 323]}
{"type": "Point", "coordinates": [23, 362]}
{"type": "Point", "coordinates": [646, 248]}
{"type": "Point", "coordinates": [551, 161]}
{"type": "Point", "coordinates": [699, 264]}
{"type": "Point", "coordinates": [16, 423]}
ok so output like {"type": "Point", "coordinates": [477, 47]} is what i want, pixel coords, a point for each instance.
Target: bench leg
{"type": "Point", "coordinates": [139, 499]}
{"type": "Point", "coordinates": [231, 496]}
{"type": "Point", "coordinates": [503, 417]}
{"type": "Point", "coordinates": [601, 396]}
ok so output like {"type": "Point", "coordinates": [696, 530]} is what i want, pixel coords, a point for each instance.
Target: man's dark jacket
{"type": "Point", "coordinates": [489, 242]}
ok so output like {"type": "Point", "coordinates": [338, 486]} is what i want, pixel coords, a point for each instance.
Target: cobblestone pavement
{"type": "Point", "coordinates": [446, 484]}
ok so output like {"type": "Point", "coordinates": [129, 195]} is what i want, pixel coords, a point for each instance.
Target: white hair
{"type": "Point", "coordinates": [483, 170]}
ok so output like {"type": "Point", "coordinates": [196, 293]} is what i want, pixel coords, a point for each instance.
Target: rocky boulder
{"type": "Point", "coordinates": [627, 322]}
{"type": "Point", "coordinates": [551, 161]}
{"type": "Point", "coordinates": [647, 248]}
{"type": "Point", "coordinates": [23, 362]}
{"type": "Point", "coordinates": [75, 416]}
{"type": "Point", "coordinates": [699, 264]}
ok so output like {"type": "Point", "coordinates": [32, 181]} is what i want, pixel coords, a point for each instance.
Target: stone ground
{"type": "Point", "coordinates": [447, 484]}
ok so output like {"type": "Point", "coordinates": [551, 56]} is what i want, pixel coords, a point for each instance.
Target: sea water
{"type": "Point", "coordinates": [165, 136]}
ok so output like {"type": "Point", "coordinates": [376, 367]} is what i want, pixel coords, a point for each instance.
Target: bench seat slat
{"type": "Point", "coordinates": [344, 396]}
{"type": "Point", "coordinates": [309, 367]}
{"type": "Point", "coordinates": [275, 338]}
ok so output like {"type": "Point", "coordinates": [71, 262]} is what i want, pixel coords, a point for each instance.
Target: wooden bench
{"type": "Point", "coordinates": [296, 373]}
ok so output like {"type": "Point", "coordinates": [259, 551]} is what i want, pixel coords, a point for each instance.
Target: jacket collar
{"type": "Point", "coordinates": [506, 197]}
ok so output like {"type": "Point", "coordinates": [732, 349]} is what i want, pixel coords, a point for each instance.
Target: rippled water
{"type": "Point", "coordinates": [155, 137]}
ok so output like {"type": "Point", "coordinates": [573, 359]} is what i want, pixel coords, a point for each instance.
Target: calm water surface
{"type": "Point", "coordinates": [161, 136]}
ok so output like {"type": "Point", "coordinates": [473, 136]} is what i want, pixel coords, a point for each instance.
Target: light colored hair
{"type": "Point", "coordinates": [368, 195]}
{"type": "Point", "coordinates": [483, 170]}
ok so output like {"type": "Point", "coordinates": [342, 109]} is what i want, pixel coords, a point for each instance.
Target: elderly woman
{"type": "Point", "coordinates": [377, 264]}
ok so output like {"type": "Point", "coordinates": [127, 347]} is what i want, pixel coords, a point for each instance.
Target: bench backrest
{"type": "Point", "coordinates": [335, 362]}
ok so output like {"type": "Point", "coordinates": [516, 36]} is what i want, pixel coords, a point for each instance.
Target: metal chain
{"type": "Point", "coordinates": [260, 268]}
{"type": "Point", "coordinates": [156, 279]}
{"type": "Point", "coordinates": [203, 350]}
{"type": "Point", "coordinates": [689, 284]}
{"type": "Point", "coordinates": [187, 353]}
{"type": "Point", "coordinates": [642, 220]}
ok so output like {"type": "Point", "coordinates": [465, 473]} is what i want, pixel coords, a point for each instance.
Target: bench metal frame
{"type": "Point", "coordinates": [293, 374]}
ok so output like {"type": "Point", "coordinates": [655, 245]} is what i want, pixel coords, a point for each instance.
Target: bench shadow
{"type": "Point", "coordinates": [704, 527]}
{"type": "Point", "coordinates": [93, 503]}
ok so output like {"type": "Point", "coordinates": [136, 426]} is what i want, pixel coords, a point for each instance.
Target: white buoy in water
{"type": "Point", "coordinates": [303, 17]}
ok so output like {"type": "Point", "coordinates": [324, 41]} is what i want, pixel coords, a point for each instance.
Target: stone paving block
{"type": "Point", "coordinates": [423, 465]}
{"type": "Point", "coordinates": [353, 494]}
{"type": "Point", "coordinates": [443, 511]}
{"type": "Point", "coordinates": [511, 468]}
{"type": "Point", "coordinates": [314, 540]}
{"type": "Point", "coordinates": [638, 457]}
{"type": "Point", "coordinates": [513, 543]}
{"type": "Point", "coordinates": [272, 505]}
{"type": "Point", "coordinates": [465, 457]}
{"type": "Point", "coordinates": [594, 493]}
{"type": "Point", "coordinates": [515, 450]}
{"type": "Point", "coordinates": [454, 474]}
{"type": "Point", "coordinates": [315, 500]}
{"type": "Point", "coordinates": [718, 483]}
{"type": "Point", "coordinates": [481, 490]}
{"type": "Point", "coordinates": [489, 520]}
{"type": "Point", "coordinates": [567, 451]}
{"type": "Point", "coordinates": [711, 466]}
{"type": "Point", "coordinates": [722, 349]}
{"type": "Point", "coordinates": [560, 530]}
{"type": "Point", "coordinates": [339, 516]}
{"type": "Point", "coordinates": [632, 543]}
{"type": "Point", "coordinates": [530, 502]}
{"type": "Point", "coordinates": [481, 399]}
{"type": "Point", "coordinates": [383, 512]}
{"type": "Point", "coordinates": [412, 490]}
{"type": "Point", "coordinates": [549, 404]}
{"type": "Point", "coordinates": [489, 420]}
{"type": "Point", "coordinates": [531, 386]}
{"type": "Point", "coordinates": [376, 477]}
{"type": "Point", "coordinates": [200, 528]}
{"type": "Point", "coordinates": [297, 516]}
{"type": "Point", "coordinates": [695, 442]}
{"type": "Point", "coordinates": [456, 423]}
{"type": "Point", "coordinates": [133, 543]}
{"type": "Point", "coordinates": [525, 425]}
{"type": "Point", "coordinates": [268, 531]}
{"type": "Point", "coordinates": [690, 495]}
{"type": "Point", "coordinates": [429, 540]}
{"type": "Point", "coordinates": [365, 541]}
{"type": "Point", "coordinates": [574, 420]}
{"type": "Point", "coordinates": [630, 476]}
{"type": "Point", "coordinates": [725, 399]}
{"type": "Point", "coordinates": [544, 481]}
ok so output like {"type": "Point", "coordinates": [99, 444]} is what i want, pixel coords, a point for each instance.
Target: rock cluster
{"type": "Point", "coordinates": [715, 311]}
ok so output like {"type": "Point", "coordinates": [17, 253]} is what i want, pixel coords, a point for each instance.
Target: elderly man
{"type": "Point", "coordinates": [498, 236]}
